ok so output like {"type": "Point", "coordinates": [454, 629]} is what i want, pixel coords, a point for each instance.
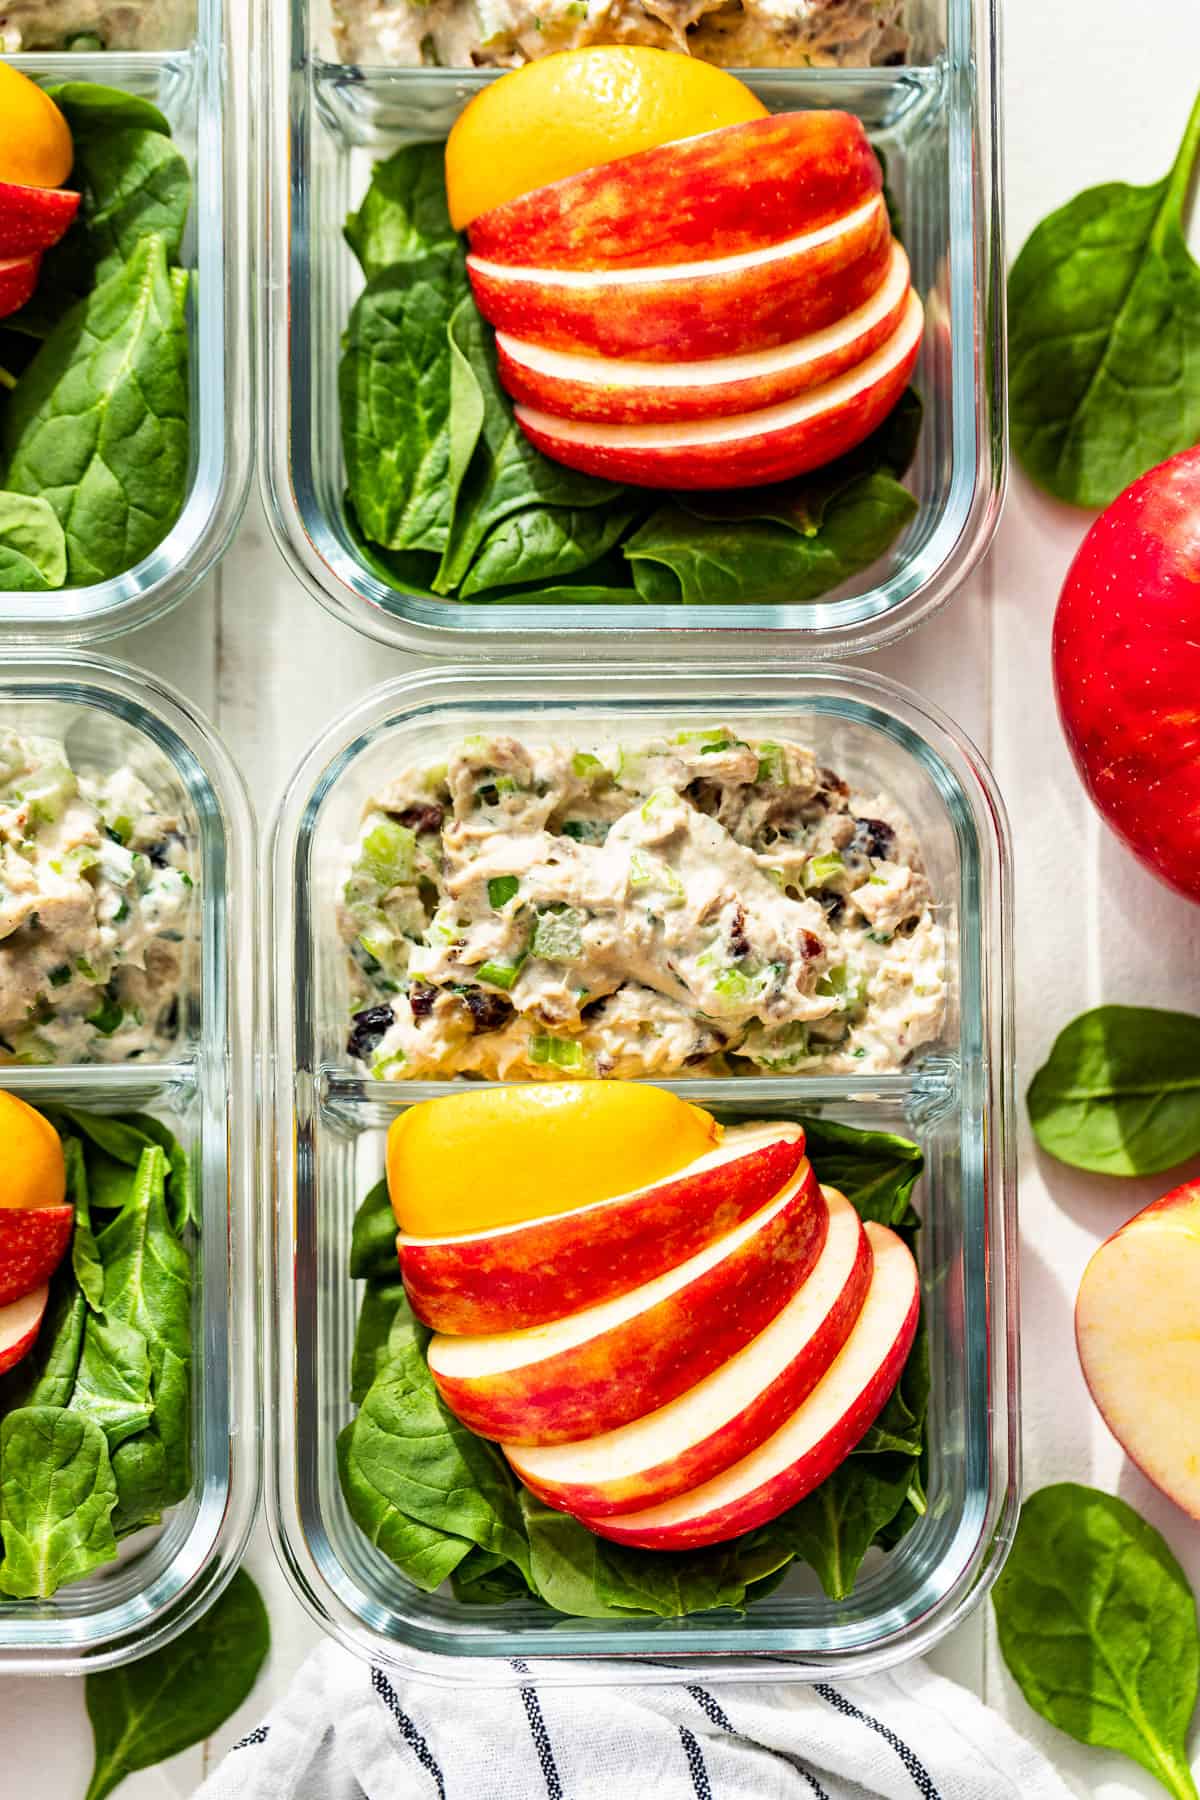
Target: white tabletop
{"type": "Point", "coordinates": [1095, 90]}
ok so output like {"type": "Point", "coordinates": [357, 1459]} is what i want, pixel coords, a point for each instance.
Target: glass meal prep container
{"type": "Point", "coordinates": [112, 716]}
{"type": "Point", "coordinates": [937, 123]}
{"type": "Point", "coordinates": [956, 1099]}
{"type": "Point", "coordinates": [201, 88]}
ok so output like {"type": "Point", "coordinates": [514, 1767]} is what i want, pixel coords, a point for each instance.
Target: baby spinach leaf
{"type": "Point", "coordinates": [46, 1375]}
{"type": "Point", "coordinates": [85, 1258]}
{"type": "Point", "coordinates": [382, 1299]}
{"type": "Point", "coordinates": [394, 387]}
{"type": "Point", "coordinates": [686, 1582]}
{"type": "Point", "coordinates": [544, 543]}
{"type": "Point", "coordinates": [482, 1579]}
{"type": "Point", "coordinates": [181, 1694]}
{"type": "Point", "coordinates": [139, 1466]}
{"type": "Point", "coordinates": [832, 1528]}
{"type": "Point", "coordinates": [875, 1170]}
{"type": "Point", "coordinates": [91, 109]}
{"type": "Point", "coordinates": [1120, 1091]}
{"type": "Point", "coordinates": [404, 214]}
{"type": "Point", "coordinates": [1104, 336]}
{"type": "Point", "coordinates": [33, 550]}
{"type": "Point", "coordinates": [135, 184]}
{"type": "Point", "coordinates": [113, 1383]}
{"type": "Point", "coordinates": [425, 1553]}
{"type": "Point", "coordinates": [98, 423]}
{"type": "Point", "coordinates": [373, 1236]}
{"type": "Point", "coordinates": [182, 1199]}
{"type": "Point", "coordinates": [1097, 1624]}
{"type": "Point", "coordinates": [56, 1500]}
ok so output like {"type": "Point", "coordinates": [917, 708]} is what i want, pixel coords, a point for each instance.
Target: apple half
{"type": "Point", "coordinates": [517, 1276]}
{"type": "Point", "coordinates": [746, 449]}
{"type": "Point", "coordinates": [818, 1436]}
{"type": "Point", "coordinates": [33, 1241]}
{"type": "Point", "coordinates": [730, 1412]}
{"type": "Point", "coordinates": [20, 1322]}
{"type": "Point", "coordinates": [596, 1369]}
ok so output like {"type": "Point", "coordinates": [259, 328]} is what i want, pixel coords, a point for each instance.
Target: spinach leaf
{"type": "Point", "coordinates": [382, 1300]}
{"type": "Point", "coordinates": [425, 1553]}
{"type": "Point", "coordinates": [686, 1582]}
{"type": "Point", "coordinates": [113, 1382]}
{"type": "Point", "coordinates": [563, 1560]}
{"type": "Point", "coordinates": [176, 1696]}
{"type": "Point", "coordinates": [33, 550]}
{"type": "Point", "coordinates": [373, 1237]}
{"type": "Point", "coordinates": [404, 213]}
{"type": "Point", "coordinates": [98, 423]}
{"type": "Point", "coordinates": [1098, 1627]}
{"type": "Point", "coordinates": [1104, 336]}
{"type": "Point", "coordinates": [45, 1376]}
{"type": "Point", "coordinates": [85, 1257]}
{"type": "Point", "coordinates": [1120, 1091]}
{"type": "Point", "coordinates": [832, 1528]}
{"type": "Point", "coordinates": [183, 1202]}
{"type": "Point", "coordinates": [544, 543]}
{"type": "Point", "coordinates": [876, 1171]}
{"type": "Point", "coordinates": [135, 184]}
{"type": "Point", "coordinates": [394, 387]}
{"type": "Point", "coordinates": [482, 1579]}
{"type": "Point", "coordinates": [91, 110]}
{"type": "Point", "coordinates": [56, 1500]}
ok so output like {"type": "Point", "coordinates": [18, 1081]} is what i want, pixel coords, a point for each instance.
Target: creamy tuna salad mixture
{"type": "Point", "coordinates": [95, 24]}
{"type": "Point", "coordinates": [732, 33]}
{"type": "Point", "coordinates": [691, 906]}
{"type": "Point", "coordinates": [96, 911]}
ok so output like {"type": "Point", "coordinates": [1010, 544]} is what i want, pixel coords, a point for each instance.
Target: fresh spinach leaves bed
{"type": "Point", "coordinates": [448, 500]}
{"type": "Point", "coordinates": [443, 1504]}
{"type": "Point", "coordinates": [95, 1422]}
{"type": "Point", "coordinates": [94, 436]}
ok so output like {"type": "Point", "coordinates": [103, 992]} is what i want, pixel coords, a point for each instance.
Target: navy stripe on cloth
{"type": "Point", "coordinates": [539, 1734]}
{"type": "Point", "coordinates": [923, 1780]}
{"type": "Point", "coordinates": [408, 1730]}
{"type": "Point", "coordinates": [695, 1763]}
{"type": "Point", "coordinates": [259, 1735]}
{"type": "Point", "coordinates": [721, 1720]}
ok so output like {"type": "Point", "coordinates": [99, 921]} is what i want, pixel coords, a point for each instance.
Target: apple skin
{"type": "Point", "coordinates": [33, 1242]}
{"type": "Point", "coordinates": [719, 193]}
{"type": "Point", "coordinates": [718, 1510]}
{"type": "Point", "coordinates": [526, 1275]}
{"type": "Point", "coordinates": [18, 279]}
{"type": "Point", "coordinates": [1135, 1331]}
{"type": "Point", "coordinates": [653, 1353]}
{"type": "Point", "coordinates": [33, 218]}
{"type": "Point", "coordinates": [1127, 668]}
{"type": "Point", "coordinates": [759, 1419]}
{"type": "Point", "coordinates": [756, 448]}
{"type": "Point", "coordinates": [20, 1322]}
{"type": "Point", "coordinates": [616, 390]}
{"type": "Point", "coordinates": [723, 310]}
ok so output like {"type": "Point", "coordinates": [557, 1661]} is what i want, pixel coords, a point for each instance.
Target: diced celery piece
{"type": "Point", "coordinates": [821, 870]}
{"type": "Point", "coordinates": [501, 889]}
{"type": "Point", "coordinates": [660, 801]}
{"type": "Point", "coordinates": [31, 1048]}
{"type": "Point", "coordinates": [558, 937]}
{"type": "Point", "coordinates": [560, 1053]}
{"type": "Point", "coordinates": [735, 984]}
{"type": "Point", "coordinates": [47, 791]}
{"type": "Point", "coordinates": [844, 984]}
{"type": "Point", "coordinates": [387, 854]}
{"type": "Point", "coordinates": [85, 969]}
{"type": "Point", "coordinates": [772, 764]}
{"type": "Point", "coordinates": [76, 860]}
{"type": "Point", "coordinates": [120, 829]}
{"type": "Point", "coordinates": [647, 871]}
{"type": "Point", "coordinates": [587, 766]}
{"type": "Point", "coordinates": [500, 974]}
{"type": "Point", "coordinates": [383, 1065]}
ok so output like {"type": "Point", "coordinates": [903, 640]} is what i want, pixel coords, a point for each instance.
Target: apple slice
{"type": "Point", "coordinates": [819, 1435]}
{"type": "Point", "coordinates": [527, 1274]}
{"type": "Point", "coordinates": [33, 1241]}
{"type": "Point", "coordinates": [33, 218]}
{"type": "Point", "coordinates": [737, 188]}
{"type": "Point", "coordinates": [611, 1363]}
{"type": "Point", "coordinates": [18, 279]}
{"type": "Point", "coordinates": [625, 390]}
{"type": "Point", "coordinates": [1136, 1328]}
{"type": "Point", "coordinates": [721, 306]}
{"type": "Point", "coordinates": [747, 449]}
{"type": "Point", "coordinates": [20, 1322]}
{"type": "Point", "coordinates": [731, 1411]}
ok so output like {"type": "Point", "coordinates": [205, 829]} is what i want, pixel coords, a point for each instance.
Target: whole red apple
{"type": "Point", "coordinates": [1127, 668]}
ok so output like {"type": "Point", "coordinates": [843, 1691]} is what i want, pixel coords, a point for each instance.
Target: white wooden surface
{"type": "Point", "coordinates": [1096, 89]}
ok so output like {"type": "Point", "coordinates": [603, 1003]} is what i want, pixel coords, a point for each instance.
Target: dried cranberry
{"type": "Point", "coordinates": [739, 943]}
{"type": "Point", "coordinates": [370, 1027]}
{"type": "Point", "coordinates": [488, 1011]}
{"type": "Point", "coordinates": [873, 837]}
{"type": "Point", "coordinates": [421, 998]}
{"type": "Point", "coordinates": [810, 945]}
{"type": "Point", "coordinates": [422, 818]}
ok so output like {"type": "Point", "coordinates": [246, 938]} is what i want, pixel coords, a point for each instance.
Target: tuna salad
{"type": "Point", "coordinates": [96, 911]}
{"type": "Point", "coordinates": [95, 25]}
{"type": "Point", "coordinates": [696, 905]}
{"type": "Point", "coordinates": [759, 34]}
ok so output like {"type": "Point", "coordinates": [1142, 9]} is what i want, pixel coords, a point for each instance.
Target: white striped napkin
{"type": "Point", "coordinates": [350, 1731]}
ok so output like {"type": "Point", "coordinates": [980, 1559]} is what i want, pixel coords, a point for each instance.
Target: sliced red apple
{"type": "Point", "coordinates": [819, 1435]}
{"type": "Point", "coordinates": [625, 390]}
{"type": "Point", "coordinates": [33, 218]}
{"type": "Point", "coordinates": [18, 279]}
{"type": "Point", "coordinates": [600, 1368]}
{"type": "Point", "coordinates": [747, 449]}
{"type": "Point", "coordinates": [528, 1274]}
{"type": "Point", "coordinates": [20, 1322]}
{"type": "Point", "coordinates": [731, 1411]}
{"type": "Point", "coordinates": [723, 191]}
{"type": "Point", "coordinates": [33, 1241]}
{"type": "Point", "coordinates": [1136, 1327]}
{"type": "Point", "coordinates": [720, 306]}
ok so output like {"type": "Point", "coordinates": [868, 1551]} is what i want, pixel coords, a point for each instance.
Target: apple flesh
{"type": "Point", "coordinates": [1127, 668]}
{"type": "Point", "coordinates": [772, 444]}
{"type": "Point", "coordinates": [524, 1275]}
{"type": "Point", "coordinates": [33, 1241]}
{"type": "Point", "coordinates": [33, 218]}
{"type": "Point", "coordinates": [20, 1322]}
{"type": "Point", "coordinates": [626, 390]}
{"type": "Point", "coordinates": [1136, 1330]}
{"type": "Point", "coordinates": [596, 1369]}
{"type": "Point", "coordinates": [723, 191]}
{"type": "Point", "coordinates": [681, 312]}
{"type": "Point", "coordinates": [730, 1412]}
{"type": "Point", "coordinates": [818, 1436]}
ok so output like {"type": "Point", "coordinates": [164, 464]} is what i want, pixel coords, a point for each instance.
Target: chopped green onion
{"type": "Point", "coordinates": [661, 800]}
{"type": "Point", "coordinates": [499, 974]}
{"type": "Point", "coordinates": [122, 912]}
{"type": "Point", "coordinates": [501, 889]}
{"type": "Point", "coordinates": [586, 831]}
{"type": "Point", "coordinates": [560, 1053]}
{"type": "Point", "coordinates": [59, 977]}
{"type": "Point", "coordinates": [107, 1017]}
{"type": "Point", "coordinates": [821, 870]}
{"type": "Point", "coordinates": [85, 969]}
